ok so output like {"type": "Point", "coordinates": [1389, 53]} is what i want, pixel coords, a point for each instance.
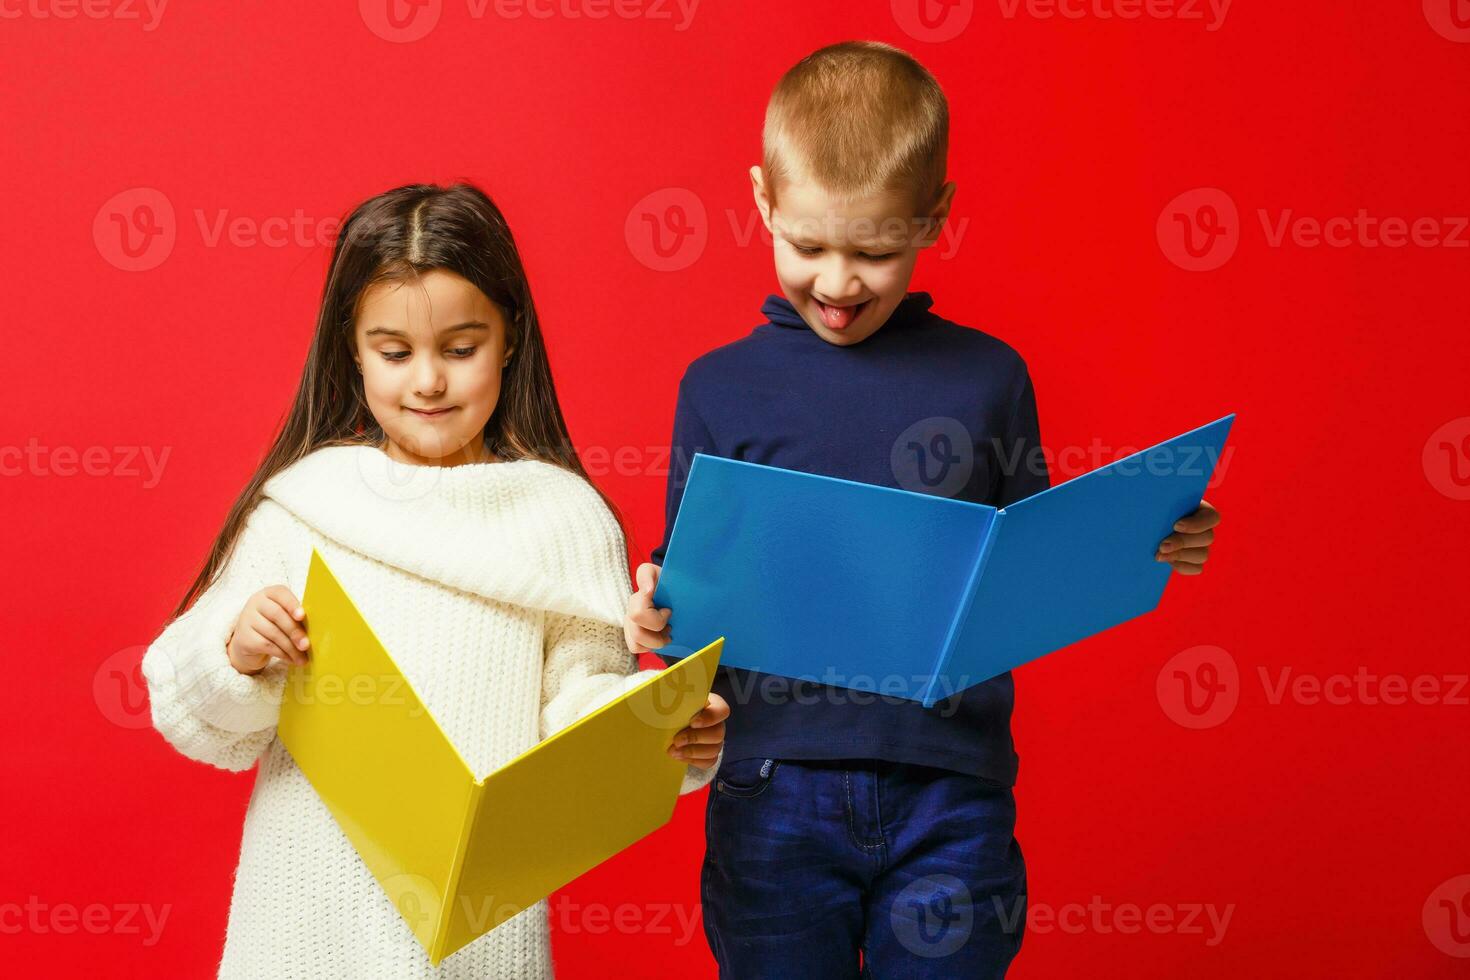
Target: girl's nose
{"type": "Point", "coordinates": [428, 379]}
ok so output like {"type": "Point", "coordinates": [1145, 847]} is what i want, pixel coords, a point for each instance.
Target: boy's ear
{"type": "Point", "coordinates": [938, 215]}
{"type": "Point", "coordinates": [762, 197]}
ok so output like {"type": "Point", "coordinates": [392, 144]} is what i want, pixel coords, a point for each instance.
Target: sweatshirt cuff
{"type": "Point", "coordinates": [215, 692]}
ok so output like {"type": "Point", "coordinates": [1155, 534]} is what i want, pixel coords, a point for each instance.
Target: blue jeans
{"type": "Point", "coordinates": [810, 863]}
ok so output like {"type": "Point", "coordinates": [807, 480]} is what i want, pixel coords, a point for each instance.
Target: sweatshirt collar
{"type": "Point", "coordinates": [779, 311]}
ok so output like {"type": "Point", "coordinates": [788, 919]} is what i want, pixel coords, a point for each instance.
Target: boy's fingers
{"type": "Point", "coordinates": [1176, 541]}
{"type": "Point", "coordinates": [701, 755]}
{"type": "Point", "coordinates": [647, 578]}
{"type": "Point", "coordinates": [650, 618]}
{"type": "Point", "coordinates": [713, 735]}
{"type": "Point", "coordinates": [1202, 519]}
{"type": "Point", "coordinates": [648, 638]}
{"type": "Point", "coordinates": [715, 709]}
{"type": "Point", "coordinates": [702, 759]}
{"type": "Point", "coordinates": [1190, 556]}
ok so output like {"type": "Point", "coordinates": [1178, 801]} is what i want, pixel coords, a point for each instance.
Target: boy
{"type": "Point", "coordinates": [842, 822]}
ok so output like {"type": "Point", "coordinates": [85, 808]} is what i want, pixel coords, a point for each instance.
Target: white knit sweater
{"type": "Point", "coordinates": [499, 590]}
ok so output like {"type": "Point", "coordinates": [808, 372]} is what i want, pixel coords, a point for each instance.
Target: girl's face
{"type": "Point", "coordinates": [431, 352]}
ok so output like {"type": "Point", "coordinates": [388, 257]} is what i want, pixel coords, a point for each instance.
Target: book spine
{"type": "Point", "coordinates": [967, 600]}
{"type": "Point", "coordinates": [452, 905]}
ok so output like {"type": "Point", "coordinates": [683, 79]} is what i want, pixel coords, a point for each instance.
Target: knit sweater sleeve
{"type": "Point", "coordinates": [201, 705]}
{"type": "Point", "coordinates": [588, 665]}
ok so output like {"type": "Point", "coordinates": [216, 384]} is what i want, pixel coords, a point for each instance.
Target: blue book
{"type": "Point", "coordinates": [913, 595]}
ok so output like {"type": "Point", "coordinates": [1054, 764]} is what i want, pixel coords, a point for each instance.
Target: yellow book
{"type": "Point", "coordinates": [457, 855]}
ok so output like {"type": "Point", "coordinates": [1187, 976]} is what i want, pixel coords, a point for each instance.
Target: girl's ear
{"type": "Point", "coordinates": [509, 353]}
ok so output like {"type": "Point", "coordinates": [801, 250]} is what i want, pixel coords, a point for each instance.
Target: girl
{"type": "Point", "coordinates": [426, 458]}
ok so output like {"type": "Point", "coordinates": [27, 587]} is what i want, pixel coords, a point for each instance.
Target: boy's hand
{"type": "Point", "coordinates": [1187, 549]}
{"type": "Point", "coordinates": [699, 744]}
{"type": "Point", "coordinates": [644, 627]}
{"type": "Point", "coordinates": [269, 627]}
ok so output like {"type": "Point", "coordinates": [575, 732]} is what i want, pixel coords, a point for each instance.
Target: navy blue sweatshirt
{"type": "Point", "coordinates": [923, 404]}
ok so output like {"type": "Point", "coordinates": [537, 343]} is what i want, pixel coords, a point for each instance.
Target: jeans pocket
{"type": "Point", "coordinates": [745, 778]}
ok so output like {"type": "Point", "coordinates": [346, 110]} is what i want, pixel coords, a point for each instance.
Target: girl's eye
{"type": "Point", "coordinates": [394, 355]}
{"type": "Point", "coordinates": [462, 351]}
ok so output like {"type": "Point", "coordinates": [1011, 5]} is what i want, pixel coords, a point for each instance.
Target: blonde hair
{"type": "Point", "coordinates": [858, 118]}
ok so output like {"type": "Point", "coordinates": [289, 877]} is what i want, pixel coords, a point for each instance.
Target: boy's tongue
{"type": "Point", "coordinates": [838, 317]}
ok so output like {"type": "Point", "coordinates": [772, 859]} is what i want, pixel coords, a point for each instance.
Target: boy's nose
{"type": "Point", "coordinates": [838, 282]}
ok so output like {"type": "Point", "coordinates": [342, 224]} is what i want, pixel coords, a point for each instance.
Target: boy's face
{"type": "Point", "coordinates": [845, 264]}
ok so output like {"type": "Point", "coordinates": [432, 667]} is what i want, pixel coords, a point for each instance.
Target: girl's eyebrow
{"type": "Point", "coordinates": [390, 332]}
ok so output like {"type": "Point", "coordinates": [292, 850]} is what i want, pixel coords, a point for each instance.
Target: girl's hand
{"type": "Point", "coordinates": [699, 744]}
{"type": "Point", "coordinates": [1186, 551]}
{"type": "Point", "coordinates": [270, 625]}
{"type": "Point", "coordinates": [644, 627]}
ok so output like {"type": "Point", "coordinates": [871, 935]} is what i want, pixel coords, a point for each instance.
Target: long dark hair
{"type": "Point", "coordinates": [394, 237]}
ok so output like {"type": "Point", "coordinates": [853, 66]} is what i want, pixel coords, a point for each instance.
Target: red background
{"type": "Point", "coordinates": [1327, 827]}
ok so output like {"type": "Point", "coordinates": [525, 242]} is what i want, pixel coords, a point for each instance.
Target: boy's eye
{"type": "Point", "coordinates": [807, 249]}
{"type": "Point", "coordinates": [877, 257]}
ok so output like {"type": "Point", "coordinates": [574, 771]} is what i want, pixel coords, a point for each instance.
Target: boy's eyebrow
{"type": "Point", "coordinates": [390, 332]}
